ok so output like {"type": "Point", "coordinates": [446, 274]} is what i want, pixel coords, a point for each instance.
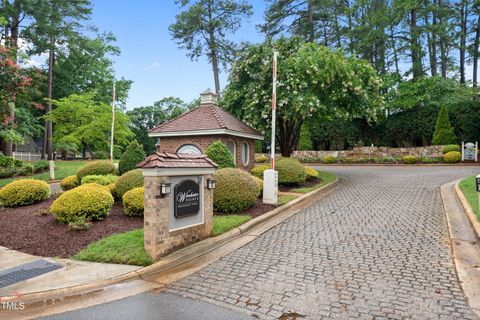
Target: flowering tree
{"type": "Point", "coordinates": [12, 82]}
{"type": "Point", "coordinates": [312, 81]}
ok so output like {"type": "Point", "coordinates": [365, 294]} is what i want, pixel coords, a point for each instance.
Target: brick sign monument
{"type": "Point", "coordinates": [178, 206]}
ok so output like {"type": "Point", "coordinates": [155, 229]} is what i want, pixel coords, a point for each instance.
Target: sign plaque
{"type": "Point", "coordinates": [186, 198]}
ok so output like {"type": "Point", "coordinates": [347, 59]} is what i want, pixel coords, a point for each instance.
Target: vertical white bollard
{"type": "Point", "coordinates": [51, 165]}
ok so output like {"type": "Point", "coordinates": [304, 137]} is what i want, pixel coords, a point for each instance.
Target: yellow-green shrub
{"type": "Point", "coordinates": [290, 171]}
{"type": "Point", "coordinates": [23, 192]}
{"type": "Point", "coordinates": [99, 179]}
{"type": "Point", "coordinates": [111, 188]}
{"type": "Point", "coordinates": [260, 184]}
{"type": "Point", "coordinates": [88, 201]}
{"type": "Point", "coordinates": [235, 191]}
{"type": "Point", "coordinates": [68, 183]}
{"type": "Point", "coordinates": [133, 202]}
{"type": "Point", "coordinates": [311, 173]}
{"type": "Point", "coordinates": [450, 147]}
{"type": "Point", "coordinates": [102, 167]}
{"type": "Point", "coordinates": [261, 159]}
{"type": "Point", "coordinates": [329, 159]}
{"type": "Point", "coordinates": [128, 181]}
{"type": "Point", "coordinates": [409, 159]}
{"type": "Point", "coordinates": [452, 157]}
{"type": "Point", "coordinates": [257, 171]}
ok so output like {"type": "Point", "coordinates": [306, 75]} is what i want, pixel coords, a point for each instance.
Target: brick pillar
{"type": "Point", "coordinates": [155, 217]}
{"type": "Point", "coordinates": [208, 201]}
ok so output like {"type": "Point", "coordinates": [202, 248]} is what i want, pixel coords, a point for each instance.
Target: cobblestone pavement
{"type": "Point", "coordinates": [377, 248]}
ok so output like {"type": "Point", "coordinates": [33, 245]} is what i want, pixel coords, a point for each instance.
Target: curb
{"type": "Point", "coordinates": [188, 254]}
{"type": "Point", "coordinates": [468, 210]}
{"type": "Point", "coordinates": [320, 164]}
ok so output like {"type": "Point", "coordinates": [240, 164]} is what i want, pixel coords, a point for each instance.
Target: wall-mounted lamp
{"type": "Point", "coordinates": [211, 184]}
{"type": "Point", "coordinates": [165, 189]}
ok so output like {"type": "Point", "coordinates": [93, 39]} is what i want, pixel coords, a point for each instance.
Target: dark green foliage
{"type": "Point", "coordinates": [290, 172]}
{"type": "Point", "coordinates": [305, 142]}
{"type": "Point", "coordinates": [131, 157]}
{"type": "Point", "coordinates": [128, 181]}
{"type": "Point", "coordinates": [9, 162]}
{"type": "Point", "coordinates": [258, 146]}
{"type": "Point", "coordinates": [444, 133]}
{"type": "Point", "coordinates": [219, 153]}
{"type": "Point", "coordinates": [40, 165]}
{"type": "Point", "coordinates": [450, 147]}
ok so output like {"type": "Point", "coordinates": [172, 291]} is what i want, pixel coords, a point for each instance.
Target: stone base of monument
{"type": "Point", "coordinates": [178, 206]}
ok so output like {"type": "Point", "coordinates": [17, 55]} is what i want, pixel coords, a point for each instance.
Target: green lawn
{"type": "Point", "coordinates": [62, 170]}
{"type": "Point", "coordinates": [467, 186]}
{"type": "Point", "coordinates": [286, 198]}
{"type": "Point", "coordinates": [326, 177]}
{"type": "Point", "coordinates": [222, 224]}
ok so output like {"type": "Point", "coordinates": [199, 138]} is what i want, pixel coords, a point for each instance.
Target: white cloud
{"type": "Point", "coordinates": [152, 66]}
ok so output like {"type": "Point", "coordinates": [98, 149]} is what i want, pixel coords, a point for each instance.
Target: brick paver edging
{"type": "Point", "coordinates": [188, 254]}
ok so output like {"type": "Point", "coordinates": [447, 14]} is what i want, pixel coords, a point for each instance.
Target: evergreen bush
{"type": "Point", "coordinates": [235, 191]}
{"type": "Point", "coordinates": [133, 155]}
{"type": "Point", "coordinates": [219, 153]}
{"type": "Point", "coordinates": [305, 143]}
{"type": "Point", "coordinates": [443, 133]}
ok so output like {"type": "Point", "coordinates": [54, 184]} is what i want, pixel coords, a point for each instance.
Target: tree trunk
{"type": "Point", "coordinates": [415, 48]}
{"type": "Point", "coordinates": [433, 61]}
{"type": "Point", "coordinates": [395, 54]}
{"type": "Point", "coordinates": [51, 61]}
{"type": "Point", "coordinates": [463, 37]}
{"type": "Point", "coordinates": [213, 51]}
{"type": "Point", "coordinates": [311, 25]}
{"type": "Point", "coordinates": [476, 45]}
{"type": "Point", "coordinates": [443, 44]}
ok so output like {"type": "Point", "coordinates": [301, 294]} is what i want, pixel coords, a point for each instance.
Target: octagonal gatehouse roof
{"type": "Point", "coordinates": [206, 119]}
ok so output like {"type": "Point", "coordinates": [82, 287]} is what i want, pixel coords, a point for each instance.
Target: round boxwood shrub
{"type": "Point", "coordinates": [260, 184]}
{"type": "Point", "coordinates": [409, 159]}
{"type": "Point", "coordinates": [133, 201]}
{"type": "Point", "coordinates": [290, 171]}
{"type": "Point", "coordinates": [23, 192]}
{"type": "Point", "coordinates": [329, 159]}
{"type": "Point", "coordinates": [261, 159]}
{"type": "Point", "coordinates": [68, 183]}
{"type": "Point", "coordinates": [128, 181]}
{"type": "Point", "coordinates": [131, 157]}
{"type": "Point", "coordinates": [451, 147]}
{"type": "Point", "coordinates": [88, 201]}
{"type": "Point", "coordinates": [236, 190]}
{"type": "Point", "coordinates": [219, 153]}
{"type": "Point", "coordinates": [452, 157]}
{"type": "Point", "coordinates": [111, 188]}
{"type": "Point", "coordinates": [257, 171]}
{"type": "Point", "coordinates": [102, 167]}
{"type": "Point", "coordinates": [311, 173]}
{"type": "Point", "coordinates": [101, 180]}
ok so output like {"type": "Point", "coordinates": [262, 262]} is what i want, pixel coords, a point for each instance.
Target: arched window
{"type": "Point", "coordinates": [232, 148]}
{"type": "Point", "coordinates": [245, 153]}
{"type": "Point", "coordinates": [189, 149]}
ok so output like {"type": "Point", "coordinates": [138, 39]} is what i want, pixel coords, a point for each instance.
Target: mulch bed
{"type": "Point", "coordinates": [23, 229]}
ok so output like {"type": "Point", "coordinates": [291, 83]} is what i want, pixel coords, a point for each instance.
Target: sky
{"type": "Point", "coordinates": [151, 58]}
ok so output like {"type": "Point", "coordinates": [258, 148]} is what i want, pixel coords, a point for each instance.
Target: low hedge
{"type": "Point", "coordinates": [24, 192]}
{"type": "Point", "coordinates": [102, 180]}
{"type": "Point", "coordinates": [69, 183]}
{"type": "Point", "coordinates": [236, 190]}
{"type": "Point", "coordinates": [128, 181]}
{"type": "Point", "coordinates": [451, 147]}
{"type": "Point", "coordinates": [102, 167]}
{"type": "Point", "coordinates": [329, 159]}
{"type": "Point", "coordinates": [88, 202]}
{"type": "Point", "coordinates": [257, 171]}
{"type": "Point", "coordinates": [261, 159]}
{"type": "Point", "coordinates": [260, 184]}
{"type": "Point", "coordinates": [452, 157]}
{"type": "Point", "coordinates": [311, 173]}
{"type": "Point", "coordinates": [409, 159]}
{"type": "Point", "coordinates": [133, 202]}
{"type": "Point", "coordinates": [290, 172]}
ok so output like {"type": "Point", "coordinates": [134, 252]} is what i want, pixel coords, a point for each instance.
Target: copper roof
{"type": "Point", "coordinates": [206, 117]}
{"type": "Point", "coordinates": [172, 160]}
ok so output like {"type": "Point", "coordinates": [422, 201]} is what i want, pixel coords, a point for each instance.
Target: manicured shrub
{"type": "Point", "coordinates": [101, 180]}
{"type": "Point", "coordinates": [257, 171]}
{"type": "Point", "coordinates": [452, 157]}
{"type": "Point", "coordinates": [235, 191]}
{"type": "Point", "coordinates": [101, 167]}
{"type": "Point", "coordinates": [329, 159]}
{"type": "Point", "coordinates": [444, 132]}
{"type": "Point", "coordinates": [128, 181]}
{"type": "Point", "coordinates": [9, 162]}
{"type": "Point", "coordinates": [431, 160]}
{"type": "Point", "coordinates": [88, 201]}
{"type": "Point", "coordinates": [133, 202]}
{"type": "Point", "coordinates": [40, 165]}
{"type": "Point", "coordinates": [451, 147]}
{"type": "Point", "coordinates": [290, 171]}
{"type": "Point", "coordinates": [261, 159]}
{"type": "Point", "coordinates": [23, 192]}
{"type": "Point", "coordinates": [25, 169]}
{"type": "Point", "coordinates": [305, 141]}
{"type": "Point", "coordinates": [133, 155]}
{"type": "Point", "coordinates": [260, 184]}
{"type": "Point", "coordinates": [219, 153]}
{"type": "Point", "coordinates": [409, 159]}
{"type": "Point", "coordinates": [111, 188]}
{"type": "Point", "coordinates": [68, 183]}
{"type": "Point", "coordinates": [311, 173]}
{"type": "Point", "coordinates": [7, 172]}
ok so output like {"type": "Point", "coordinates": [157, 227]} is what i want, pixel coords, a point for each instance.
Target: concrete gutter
{"type": "Point", "coordinates": [464, 230]}
{"type": "Point", "coordinates": [174, 266]}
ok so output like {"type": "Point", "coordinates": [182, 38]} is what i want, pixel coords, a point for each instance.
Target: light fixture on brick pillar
{"type": "Point", "coordinates": [211, 184]}
{"type": "Point", "coordinates": [165, 189]}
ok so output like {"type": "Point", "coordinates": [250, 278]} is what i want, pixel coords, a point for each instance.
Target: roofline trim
{"type": "Point", "coordinates": [204, 132]}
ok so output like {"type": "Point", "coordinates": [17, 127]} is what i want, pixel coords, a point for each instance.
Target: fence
{"type": "Point", "coordinates": [30, 156]}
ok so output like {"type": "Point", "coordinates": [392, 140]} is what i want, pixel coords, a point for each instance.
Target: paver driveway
{"type": "Point", "coordinates": [378, 247]}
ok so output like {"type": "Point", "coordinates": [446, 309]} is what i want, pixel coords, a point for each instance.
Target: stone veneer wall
{"type": "Point", "coordinates": [374, 152]}
{"type": "Point", "coordinates": [171, 145]}
{"type": "Point", "coordinates": [159, 241]}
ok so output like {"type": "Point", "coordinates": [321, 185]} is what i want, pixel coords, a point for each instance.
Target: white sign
{"type": "Point", "coordinates": [470, 151]}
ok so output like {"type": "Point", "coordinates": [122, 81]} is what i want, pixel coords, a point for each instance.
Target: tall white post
{"type": "Point", "coordinates": [476, 152]}
{"type": "Point", "coordinates": [463, 151]}
{"type": "Point", "coordinates": [270, 176]}
{"type": "Point", "coordinates": [113, 122]}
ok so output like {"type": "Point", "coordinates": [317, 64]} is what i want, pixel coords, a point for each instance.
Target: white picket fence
{"type": "Point", "coordinates": [27, 156]}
